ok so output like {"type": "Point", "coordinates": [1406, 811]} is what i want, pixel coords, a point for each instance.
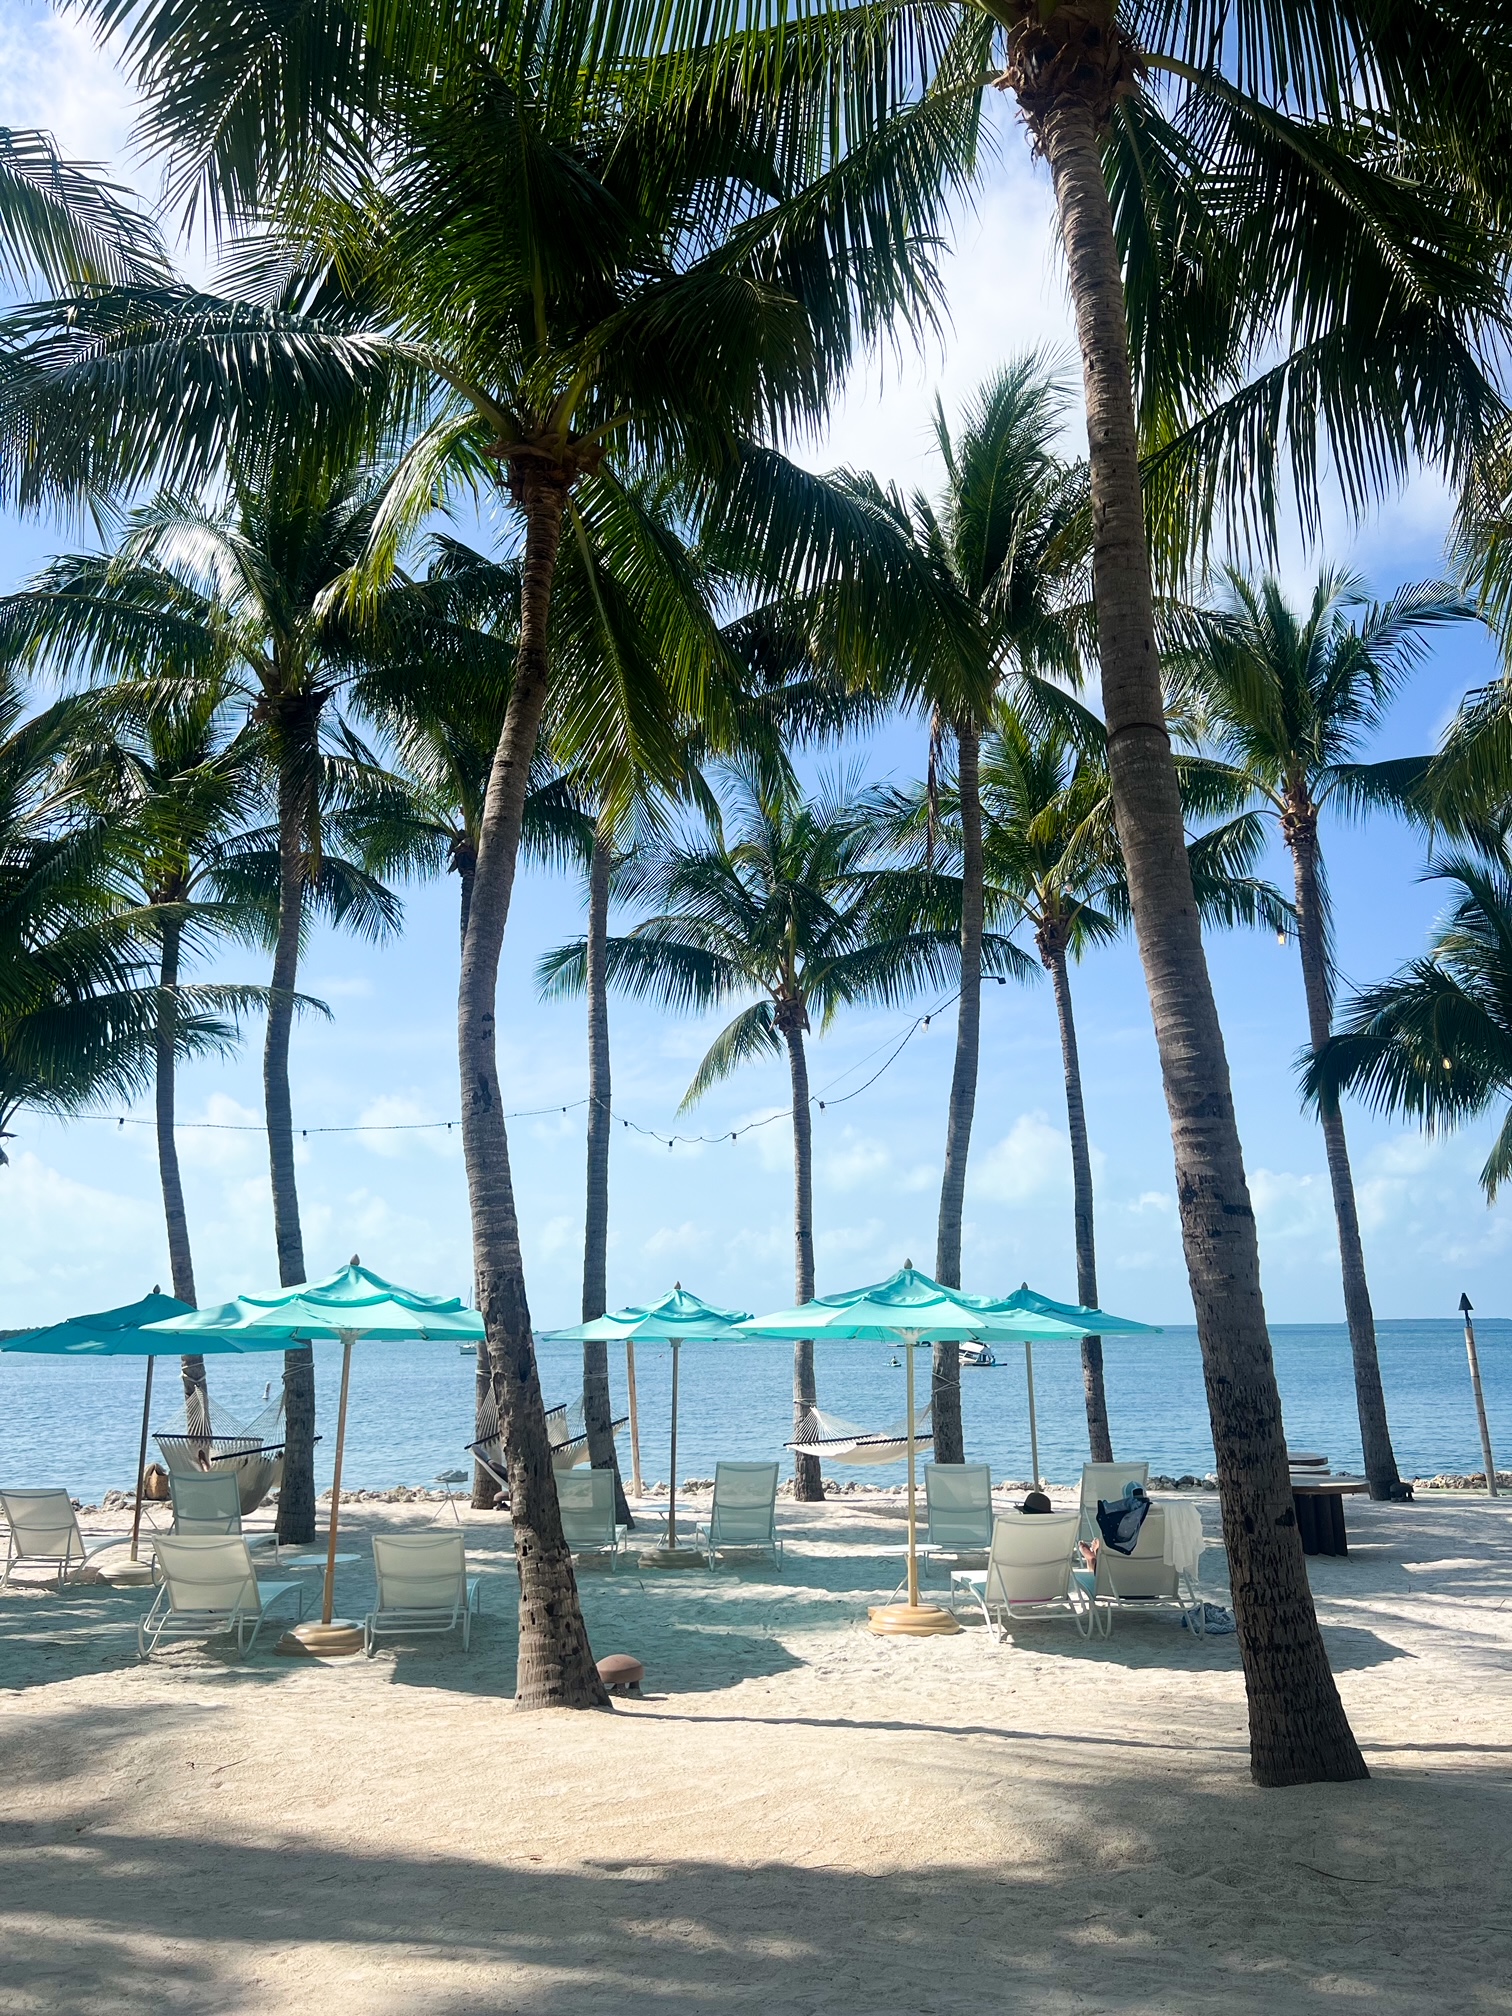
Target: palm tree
{"type": "Point", "coordinates": [785, 905]}
{"type": "Point", "coordinates": [237, 592]}
{"type": "Point", "coordinates": [546, 239]}
{"type": "Point", "coordinates": [1435, 1040]}
{"type": "Point", "coordinates": [79, 1006]}
{"type": "Point", "coordinates": [1052, 864]}
{"type": "Point", "coordinates": [183, 786]}
{"type": "Point", "coordinates": [1290, 700]}
{"type": "Point", "coordinates": [62, 221]}
{"type": "Point", "coordinates": [1000, 539]}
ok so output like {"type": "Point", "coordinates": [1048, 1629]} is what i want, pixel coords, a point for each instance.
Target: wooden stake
{"type": "Point", "coordinates": [330, 1574]}
{"type": "Point", "coordinates": [1033, 1426]}
{"type": "Point", "coordinates": [635, 1469]}
{"type": "Point", "coordinates": [913, 1519]}
{"type": "Point", "coordinates": [1480, 1399]}
{"type": "Point", "coordinates": [672, 1501]}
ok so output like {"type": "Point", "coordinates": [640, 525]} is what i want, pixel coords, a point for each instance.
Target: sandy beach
{"type": "Point", "coordinates": [797, 1817]}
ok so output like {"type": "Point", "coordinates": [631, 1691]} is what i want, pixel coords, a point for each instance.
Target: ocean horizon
{"type": "Point", "coordinates": [76, 1422]}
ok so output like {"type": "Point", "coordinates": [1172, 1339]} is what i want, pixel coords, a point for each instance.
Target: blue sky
{"type": "Point", "coordinates": [79, 1206]}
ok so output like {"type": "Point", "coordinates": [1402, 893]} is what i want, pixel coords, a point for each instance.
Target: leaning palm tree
{"type": "Point", "coordinates": [1434, 1042]}
{"type": "Point", "coordinates": [1290, 700]}
{"type": "Point", "coordinates": [787, 906]}
{"type": "Point", "coordinates": [239, 592]}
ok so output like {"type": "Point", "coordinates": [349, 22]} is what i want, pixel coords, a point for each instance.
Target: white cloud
{"type": "Point", "coordinates": [59, 1230]}
{"type": "Point", "coordinates": [409, 1115]}
{"type": "Point", "coordinates": [856, 1159]}
{"type": "Point", "coordinates": [677, 1242]}
{"type": "Point", "coordinates": [1033, 1160]}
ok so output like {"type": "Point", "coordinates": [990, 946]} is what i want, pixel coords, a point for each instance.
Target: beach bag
{"type": "Point", "coordinates": [1119, 1519]}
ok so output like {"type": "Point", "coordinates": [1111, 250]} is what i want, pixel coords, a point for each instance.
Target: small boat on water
{"type": "Point", "coordinates": [971, 1353]}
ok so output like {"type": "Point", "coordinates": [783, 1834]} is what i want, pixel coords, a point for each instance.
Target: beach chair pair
{"type": "Point", "coordinates": [209, 1585]}
{"type": "Point", "coordinates": [1036, 1566]}
{"type": "Point", "coordinates": [42, 1529]}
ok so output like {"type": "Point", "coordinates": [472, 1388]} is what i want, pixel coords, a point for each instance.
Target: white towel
{"type": "Point", "coordinates": [1183, 1536]}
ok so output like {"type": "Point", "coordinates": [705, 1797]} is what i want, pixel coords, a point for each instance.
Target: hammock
{"type": "Point", "coordinates": [837, 1441]}
{"type": "Point", "coordinates": [205, 1435]}
{"type": "Point", "coordinates": [565, 1430]}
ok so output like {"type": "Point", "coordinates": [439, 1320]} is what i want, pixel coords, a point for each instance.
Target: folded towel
{"type": "Point", "coordinates": [1183, 1536]}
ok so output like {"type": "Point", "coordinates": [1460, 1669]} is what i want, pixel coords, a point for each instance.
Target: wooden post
{"type": "Point", "coordinates": [136, 1517]}
{"type": "Point", "coordinates": [330, 1575]}
{"type": "Point", "coordinates": [672, 1481]}
{"type": "Point", "coordinates": [1480, 1398]}
{"type": "Point", "coordinates": [913, 1521]}
{"type": "Point", "coordinates": [635, 1469]}
{"type": "Point", "coordinates": [1033, 1427]}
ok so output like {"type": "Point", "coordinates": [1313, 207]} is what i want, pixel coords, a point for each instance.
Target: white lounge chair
{"type": "Point", "coordinates": [1143, 1580]}
{"type": "Point", "coordinates": [1030, 1572]}
{"type": "Point", "coordinates": [957, 1511]}
{"type": "Point", "coordinates": [744, 1512]}
{"type": "Point", "coordinates": [422, 1586]}
{"type": "Point", "coordinates": [42, 1526]}
{"type": "Point", "coordinates": [209, 1585]}
{"type": "Point", "coordinates": [586, 1498]}
{"type": "Point", "coordinates": [1106, 1480]}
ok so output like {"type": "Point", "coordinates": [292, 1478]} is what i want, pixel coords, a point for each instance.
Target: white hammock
{"type": "Point", "coordinates": [204, 1434]}
{"type": "Point", "coordinates": [837, 1441]}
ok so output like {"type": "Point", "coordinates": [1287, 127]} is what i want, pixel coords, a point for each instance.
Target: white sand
{"type": "Point", "coordinates": [799, 1817]}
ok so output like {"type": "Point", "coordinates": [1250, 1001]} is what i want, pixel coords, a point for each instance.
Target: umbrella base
{"type": "Point", "coordinates": [336, 1640]}
{"type": "Point", "coordinates": [673, 1557]}
{"type": "Point", "coordinates": [912, 1620]}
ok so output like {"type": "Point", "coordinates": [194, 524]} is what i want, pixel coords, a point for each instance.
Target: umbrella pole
{"type": "Point", "coordinates": [672, 1484]}
{"type": "Point", "coordinates": [1033, 1429]}
{"type": "Point", "coordinates": [329, 1598]}
{"type": "Point", "coordinates": [635, 1471]}
{"type": "Point", "coordinates": [912, 1619]}
{"type": "Point", "coordinates": [1492, 1488]}
{"type": "Point", "coordinates": [136, 1517]}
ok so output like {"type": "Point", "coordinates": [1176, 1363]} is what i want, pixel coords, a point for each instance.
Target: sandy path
{"type": "Point", "coordinates": [800, 1817]}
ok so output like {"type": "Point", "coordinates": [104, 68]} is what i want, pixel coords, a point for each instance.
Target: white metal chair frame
{"type": "Point", "coordinates": [22, 1508]}
{"type": "Point", "coordinates": [243, 1614]}
{"type": "Point", "coordinates": [721, 1517]}
{"type": "Point", "coordinates": [1052, 1564]}
{"type": "Point", "coordinates": [421, 1619]}
{"type": "Point", "coordinates": [1106, 1480]}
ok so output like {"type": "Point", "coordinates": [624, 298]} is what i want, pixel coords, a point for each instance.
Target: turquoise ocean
{"type": "Point", "coordinates": [76, 1422]}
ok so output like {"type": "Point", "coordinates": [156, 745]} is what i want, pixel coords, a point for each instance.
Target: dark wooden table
{"type": "Point", "coordinates": [1319, 1501]}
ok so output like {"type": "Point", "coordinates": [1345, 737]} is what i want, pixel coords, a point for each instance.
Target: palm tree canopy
{"type": "Point", "coordinates": [1435, 1040]}
{"type": "Point", "coordinates": [62, 220]}
{"type": "Point", "coordinates": [787, 904]}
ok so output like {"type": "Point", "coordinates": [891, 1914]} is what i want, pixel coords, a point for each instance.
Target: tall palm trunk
{"type": "Point", "coordinates": [1053, 953]}
{"type": "Point", "coordinates": [1066, 68]}
{"type": "Point", "coordinates": [180, 1258]}
{"type": "Point", "coordinates": [556, 1668]}
{"type": "Point", "coordinates": [598, 1415]}
{"type": "Point", "coordinates": [296, 1495]}
{"type": "Point", "coordinates": [945, 1393]}
{"type": "Point", "coordinates": [1312, 937]}
{"type": "Point", "coordinates": [808, 1479]}
{"type": "Point", "coordinates": [464, 859]}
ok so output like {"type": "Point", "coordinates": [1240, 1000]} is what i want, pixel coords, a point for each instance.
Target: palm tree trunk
{"type": "Point", "coordinates": [1299, 1732]}
{"type": "Point", "coordinates": [1312, 939]}
{"type": "Point", "coordinates": [180, 1258]}
{"type": "Point", "coordinates": [1098, 1439]}
{"type": "Point", "coordinates": [296, 1495]}
{"type": "Point", "coordinates": [556, 1668]}
{"type": "Point", "coordinates": [598, 1414]}
{"type": "Point", "coordinates": [945, 1392]}
{"type": "Point", "coordinates": [484, 1489]}
{"type": "Point", "coordinates": [808, 1479]}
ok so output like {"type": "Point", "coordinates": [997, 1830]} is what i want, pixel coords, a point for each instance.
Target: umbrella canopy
{"type": "Point", "coordinates": [353, 1302]}
{"type": "Point", "coordinates": [1087, 1322]}
{"type": "Point", "coordinates": [110, 1333]}
{"type": "Point", "coordinates": [909, 1304]}
{"type": "Point", "coordinates": [678, 1318]}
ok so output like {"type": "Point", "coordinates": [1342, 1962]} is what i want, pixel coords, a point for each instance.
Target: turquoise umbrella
{"type": "Point", "coordinates": [120, 1333]}
{"type": "Point", "coordinates": [677, 1319]}
{"type": "Point", "coordinates": [907, 1308]}
{"type": "Point", "coordinates": [352, 1303]}
{"type": "Point", "coordinates": [1080, 1322]}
